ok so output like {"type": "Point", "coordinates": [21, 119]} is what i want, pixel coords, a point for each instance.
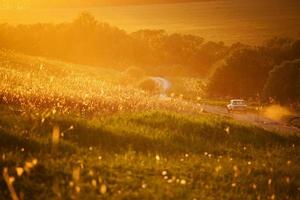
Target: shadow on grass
{"type": "Point", "coordinates": [161, 132]}
{"type": "Point", "coordinates": [13, 142]}
{"type": "Point", "coordinates": [115, 142]}
{"type": "Point", "coordinates": [171, 133]}
{"type": "Point", "coordinates": [213, 129]}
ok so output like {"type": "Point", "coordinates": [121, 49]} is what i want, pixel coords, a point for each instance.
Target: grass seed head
{"type": "Point", "coordinates": [103, 189]}
{"type": "Point", "coordinates": [182, 182]}
{"type": "Point", "coordinates": [19, 171]}
{"type": "Point", "coordinates": [55, 135]}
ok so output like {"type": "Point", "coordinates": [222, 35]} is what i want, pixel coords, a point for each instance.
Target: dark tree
{"type": "Point", "coordinates": [243, 75]}
{"type": "Point", "coordinates": [284, 82]}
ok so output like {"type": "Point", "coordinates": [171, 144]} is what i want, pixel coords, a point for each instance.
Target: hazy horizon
{"type": "Point", "coordinates": [228, 21]}
{"type": "Point", "coordinates": [76, 3]}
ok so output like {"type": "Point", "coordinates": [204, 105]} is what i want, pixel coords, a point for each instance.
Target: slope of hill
{"type": "Point", "coordinates": [73, 132]}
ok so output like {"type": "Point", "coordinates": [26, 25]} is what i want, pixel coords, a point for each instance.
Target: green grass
{"type": "Point", "coordinates": [195, 150]}
{"type": "Point", "coordinates": [117, 142]}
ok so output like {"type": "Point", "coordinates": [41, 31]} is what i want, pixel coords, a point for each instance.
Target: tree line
{"type": "Point", "coordinates": [88, 41]}
{"type": "Point", "coordinates": [267, 72]}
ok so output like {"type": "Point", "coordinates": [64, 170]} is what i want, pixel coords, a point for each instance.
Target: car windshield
{"type": "Point", "coordinates": [238, 102]}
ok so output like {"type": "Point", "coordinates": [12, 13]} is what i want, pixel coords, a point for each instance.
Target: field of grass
{"type": "Point", "coordinates": [72, 132]}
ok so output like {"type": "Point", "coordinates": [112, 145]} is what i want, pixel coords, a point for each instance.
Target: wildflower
{"type": "Point", "coordinates": [258, 197]}
{"type": "Point", "coordinates": [233, 185]}
{"type": "Point", "coordinates": [91, 173]}
{"type": "Point", "coordinates": [144, 185]}
{"type": "Point", "coordinates": [94, 183]}
{"type": "Point", "coordinates": [19, 171]}
{"type": "Point", "coordinates": [103, 189]}
{"type": "Point", "coordinates": [157, 157]}
{"type": "Point", "coordinates": [76, 174]}
{"type": "Point", "coordinates": [55, 135]}
{"type": "Point", "coordinates": [287, 179]}
{"type": "Point", "coordinates": [182, 182]}
{"type": "Point", "coordinates": [164, 173]}
{"type": "Point", "coordinates": [227, 130]}
{"type": "Point", "coordinates": [236, 171]}
{"type": "Point", "coordinates": [218, 168]}
{"type": "Point", "coordinates": [11, 179]}
{"type": "Point", "coordinates": [28, 166]}
{"type": "Point", "coordinates": [273, 196]}
{"type": "Point", "coordinates": [100, 179]}
{"type": "Point", "coordinates": [77, 189]}
{"type": "Point", "coordinates": [71, 183]}
{"type": "Point", "coordinates": [269, 181]}
{"type": "Point", "coordinates": [34, 162]}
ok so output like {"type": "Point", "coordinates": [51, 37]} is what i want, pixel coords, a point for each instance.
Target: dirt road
{"type": "Point", "coordinates": [255, 119]}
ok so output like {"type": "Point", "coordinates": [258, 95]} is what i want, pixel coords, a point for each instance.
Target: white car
{"type": "Point", "coordinates": [237, 105]}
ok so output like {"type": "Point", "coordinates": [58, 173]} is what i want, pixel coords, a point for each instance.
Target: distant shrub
{"type": "Point", "coordinates": [148, 85]}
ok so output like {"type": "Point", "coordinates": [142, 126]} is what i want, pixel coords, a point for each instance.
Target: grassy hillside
{"type": "Point", "coordinates": [74, 133]}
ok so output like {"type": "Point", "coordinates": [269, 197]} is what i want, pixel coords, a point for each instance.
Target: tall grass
{"type": "Point", "coordinates": [75, 135]}
{"type": "Point", "coordinates": [39, 85]}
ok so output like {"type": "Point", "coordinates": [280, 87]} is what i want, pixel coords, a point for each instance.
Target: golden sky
{"type": "Point", "coordinates": [88, 3]}
{"type": "Point", "coordinates": [71, 3]}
